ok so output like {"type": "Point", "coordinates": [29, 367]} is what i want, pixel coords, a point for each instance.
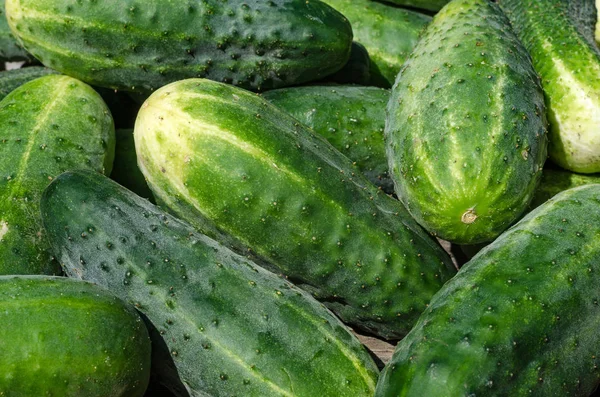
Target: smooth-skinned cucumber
{"type": "Point", "coordinates": [47, 126]}
{"type": "Point", "coordinates": [388, 33]}
{"type": "Point", "coordinates": [69, 338]}
{"type": "Point", "coordinates": [569, 63]}
{"type": "Point", "coordinates": [229, 326]}
{"type": "Point", "coordinates": [520, 319]}
{"type": "Point", "coordinates": [128, 45]}
{"type": "Point", "coordinates": [466, 129]}
{"type": "Point", "coordinates": [250, 175]}
{"type": "Point", "coordinates": [351, 118]}
{"type": "Point", "coordinates": [13, 79]}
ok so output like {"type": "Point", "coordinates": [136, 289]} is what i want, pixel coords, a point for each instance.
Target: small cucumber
{"type": "Point", "coordinates": [520, 319]}
{"type": "Point", "coordinates": [68, 338]}
{"type": "Point", "coordinates": [228, 326]}
{"type": "Point", "coordinates": [47, 126]}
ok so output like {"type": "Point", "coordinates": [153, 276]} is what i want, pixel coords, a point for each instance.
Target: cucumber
{"type": "Point", "coordinates": [351, 118]}
{"type": "Point", "coordinates": [521, 318]}
{"type": "Point", "coordinates": [230, 327]}
{"type": "Point", "coordinates": [430, 5]}
{"type": "Point", "coordinates": [254, 178]}
{"type": "Point", "coordinates": [570, 69]}
{"type": "Point", "coordinates": [12, 79]}
{"type": "Point", "coordinates": [10, 50]}
{"type": "Point", "coordinates": [48, 125]}
{"type": "Point", "coordinates": [68, 338]}
{"type": "Point", "coordinates": [466, 130]}
{"type": "Point", "coordinates": [357, 69]}
{"type": "Point", "coordinates": [128, 45]}
{"type": "Point", "coordinates": [388, 33]}
{"type": "Point", "coordinates": [125, 169]}
{"type": "Point", "coordinates": [555, 181]}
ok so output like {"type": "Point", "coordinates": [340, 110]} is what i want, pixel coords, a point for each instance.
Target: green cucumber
{"type": "Point", "coordinates": [230, 327]}
{"type": "Point", "coordinates": [10, 50]}
{"type": "Point", "coordinates": [125, 169]}
{"type": "Point", "coordinates": [251, 176]}
{"type": "Point", "coordinates": [388, 33]}
{"type": "Point", "coordinates": [520, 319]}
{"type": "Point", "coordinates": [128, 45]}
{"type": "Point", "coordinates": [569, 65]}
{"type": "Point", "coordinates": [356, 71]}
{"type": "Point", "coordinates": [466, 127]}
{"type": "Point", "coordinates": [555, 181]}
{"type": "Point", "coordinates": [351, 118]}
{"type": "Point", "coordinates": [429, 5]}
{"type": "Point", "coordinates": [12, 79]}
{"type": "Point", "coordinates": [47, 126]}
{"type": "Point", "coordinates": [68, 338]}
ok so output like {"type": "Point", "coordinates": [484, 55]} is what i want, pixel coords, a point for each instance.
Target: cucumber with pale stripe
{"type": "Point", "coordinates": [229, 326]}
{"type": "Point", "coordinates": [13, 79]}
{"type": "Point", "coordinates": [569, 64]}
{"type": "Point", "coordinates": [388, 33]}
{"type": "Point", "coordinates": [520, 319]}
{"type": "Point", "coordinates": [351, 118]}
{"type": "Point", "coordinates": [47, 126]}
{"type": "Point", "coordinates": [69, 338]}
{"type": "Point", "coordinates": [141, 46]}
{"type": "Point", "coordinates": [241, 170]}
{"type": "Point", "coordinates": [466, 127]}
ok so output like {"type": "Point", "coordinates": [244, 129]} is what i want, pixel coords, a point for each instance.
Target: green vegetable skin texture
{"type": "Point", "coordinates": [125, 169]}
{"type": "Point", "coordinates": [521, 318]}
{"type": "Point", "coordinates": [356, 71]}
{"type": "Point", "coordinates": [430, 5]}
{"type": "Point", "coordinates": [388, 33]}
{"type": "Point", "coordinates": [351, 118]}
{"type": "Point", "coordinates": [466, 128]}
{"type": "Point", "coordinates": [12, 79]}
{"type": "Point", "coordinates": [231, 328]}
{"type": "Point", "coordinates": [10, 50]}
{"type": "Point", "coordinates": [570, 69]}
{"type": "Point", "coordinates": [241, 170]}
{"type": "Point", "coordinates": [47, 126]}
{"type": "Point", "coordinates": [555, 181]}
{"type": "Point", "coordinates": [128, 45]}
{"type": "Point", "coordinates": [62, 337]}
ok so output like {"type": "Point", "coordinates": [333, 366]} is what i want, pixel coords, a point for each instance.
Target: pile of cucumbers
{"type": "Point", "coordinates": [205, 197]}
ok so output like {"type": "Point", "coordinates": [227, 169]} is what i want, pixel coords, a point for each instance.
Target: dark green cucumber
{"type": "Point", "coordinates": [429, 5]}
{"type": "Point", "coordinates": [12, 79]}
{"type": "Point", "coordinates": [569, 65]}
{"type": "Point", "coordinates": [351, 118]}
{"type": "Point", "coordinates": [357, 70]}
{"type": "Point", "coordinates": [256, 179]}
{"type": "Point", "coordinates": [128, 45]}
{"type": "Point", "coordinates": [10, 50]}
{"type": "Point", "coordinates": [388, 33]}
{"type": "Point", "coordinates": [68, 338]}
{"type": "Point", "coordinates": [555, 181]}
{"type": "Point", "coordinates": [125, 169]}
{"type": "Point", "coordinates": [520, 319]}
{"type": "Point", "coordinates": [230, 327]}
{"type": "Point", "coordinates": [47, 126]}
{"type": "Point", "coordinates": [466, 130]}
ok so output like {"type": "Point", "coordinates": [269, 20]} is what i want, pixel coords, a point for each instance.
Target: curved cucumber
{"type": "Point", "coordinates": [230, 327]}
{"type": "Point", "coordinates": [13, 79]}
{"type": "Point", "coordinates": [127, 45]}
{"type": "Point", "coordinates": [351, 118]}
{"type": "Point", "coordinates": [10, 50]}
{"type": "Point", "coordinates": [388, 33]}
{"type": "Point", "coordinates": [521, 318]}
{"type": "Point", "coordinates": [430, 5]}
{"type": "Point", "coordinates": [256, 179]}
{"type": "Point", "coordinates": [62, 337]}
{"type": "Point", "coordinates": [125, 169]}
{"type": "Point", "coordinates": [466, 129]}
{"type": "Point", "coordinates": [47, 126]}
{"type": "Point", "coordinates": [570, 69]}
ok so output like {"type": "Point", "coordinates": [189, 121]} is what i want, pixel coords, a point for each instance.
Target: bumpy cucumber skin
{"type": "Point", "coordinates": [47, 126]}
{"type": "Point", "coordinates": [125, 169]}
{"type": "Point", "coordinates": [241, 170]}
{"type": "Point", "coordinates": [231, 328]}
{"type": "Point", "coordinates": [63, 337]}
{"type": "Point", "coordinates": [521, 318]}
{"type": "Point", "coordinates": [351, 118]}
{"type": "Point", "coordinates": [466, 128]}
{"type": "Point", "coordinates": [124, 44]}
{"type": "Point", "coordinates": [389, 34]}
{"type": "Point", "coordinates": [570, 69]}
{"type": "Point", "coordinates": [13, 79]}
{"type": "Point", "coordinates": [429, 5]}
{"type": "Point", "coordinates": [10, 50]}
{"type": "Point", "coordinates": [555, 181]}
